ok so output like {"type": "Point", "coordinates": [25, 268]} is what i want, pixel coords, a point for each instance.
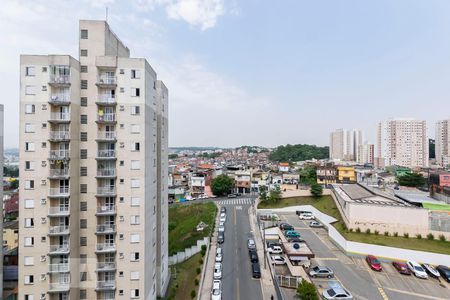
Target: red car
{"type": "Point", "coordinates": [402, 268]}
{"type": "Point", "coordinates": [374, 263]}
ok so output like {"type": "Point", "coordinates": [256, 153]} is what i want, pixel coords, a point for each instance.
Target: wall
{"type": "Point", "coordinates": [292, 192]}
{"type": "Point", "coordinates": [188, 252]}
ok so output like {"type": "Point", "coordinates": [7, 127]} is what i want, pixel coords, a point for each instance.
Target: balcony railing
{"type": "Point", "coordinates": [59, 116]}
{"type": "Point", "coordinates": [106, 99]}
{"type": "Point", "coordinates": [55, 268]}
{"type": "Point", "coordinates": [59, 249]}
{"type": "Point", "coordinates": [59, 191]}
{"type": "Point", "coordinates": [106, 285]}
{"type": "Point", "coordinates": [106, 153]}
{"type": "Point", "coordinates": [57, 230]}
{"type": "Point", "coordinates": [106, 79]}
{"type": "Point", "coordinates": [106, 190]}
{"type": "Point", "coordinates": [59, 286]}
{"type": "Point", "coordinates": [106, 135]}
{"type": "Point", "coordinates": [60, 99]}
{"type": "Point", "coordinates": [106, 247]}
{"type": "Point", "coordinates": [106, 266]}
{"type": "Point", "coordinates": [59, 135]}
{"type": "Point", "coordinates": [57, 173]}
{"type": "Point", "coordinates": [106, 172]}
{"type": "Point", "coordinates": [106, 210]}
{"type": "Point", "coordinates": [59, 79]}
{"type": "Point", "coordinates": [58, 210]}
{"type": "Point", "coordinates": [106, 228]}
{"type": "Point", "coordinates": [59, 154]}
{"type": "Point", "coordinates": [111, 117]}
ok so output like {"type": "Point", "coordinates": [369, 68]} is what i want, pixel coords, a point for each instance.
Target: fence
{"type": "Point", "coordinates": [288, 281]}
{"type": "Point", "coordinates": [188, 252]}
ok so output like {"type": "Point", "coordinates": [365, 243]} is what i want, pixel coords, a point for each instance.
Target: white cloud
{"type": "Point", "coordinates": [203, 13]}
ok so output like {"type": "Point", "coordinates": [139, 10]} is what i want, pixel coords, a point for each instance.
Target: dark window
{"type": "Point", "coordinates": [83, 294]}
{"type": "Point", "coordinates": [84, 84]}
{"type": "Point", "coordinates": [83, 276]}
{"type": "Point", "coordinates": [83, 171]}
{"type": "Point", "coordinates": [83, 206]}
{"type": "Point", "coordinates": [83, 188]}
{"type": "Point", "coordinates": [83, 101]}
{"type": "Point", "coordinates": [83, 136]}
{"type": "Point", "coordinates": [83, 258]}
{"type": "Point", "coordinates": [83, 223]}
{"type": "Point", "coordinates": [83, 69]}
{"type": "Point", "coordinates": [84, 34]}
{"type": "Point", "coordinates": [83, 52]}
{"type": "Point", "coordinates": [83, 119]}
{"type": "Point", "coordinates": [83, 241]}
{"type": "Point", "coordinates": [83, 154]}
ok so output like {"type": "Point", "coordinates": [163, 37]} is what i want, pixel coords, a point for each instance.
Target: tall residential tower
{"type": "Point", "coordinates": [93, 150]}
{"type": "Point", "coordinates": [344, 144]}
{"type": "Point", "coordinates": [442, 143]}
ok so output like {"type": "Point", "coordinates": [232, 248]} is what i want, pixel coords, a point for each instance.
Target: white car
{"type": "Point", "coordinates": [306, 216]}
{"type": "Point", "coordinates": [277, 260]}
{"type": "Point", "coordinates": [275, 250]}
{"type": "Point", "coordinates": [430, 270]}
{"type": "Point", "coordinates": [216, 293]}
{"type": "Point", "coordinates": [221, 228]}
{"type": "Point", "coordinates": [337, 292]}
{"type": "Point", "coordinates": [223, 217]}
{"type": "Point", "coordinates": [219, 254]}
{"type": "Point", "coordinates": [218, 270]}
{"type": "Point", "coordinates": [417, 270]}
{"type": "Point", "coordinates": [221, 223]}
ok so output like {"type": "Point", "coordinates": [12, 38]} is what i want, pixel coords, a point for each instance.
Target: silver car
{"type": "Point", "coordinates": [321, 271]}
{"type": "Point", "coordinates": [337, 292]}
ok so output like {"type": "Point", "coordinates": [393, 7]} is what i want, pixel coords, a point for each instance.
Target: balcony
{"type": "Point", "coordinates": [106, 136]}
{"type": "Point", "coordinates": [105, 229]}
{"type": "Point", "coordinates": [58, 249]}
{"type": "Point", "coordinates": [58, 268]}
{"type": "Point", "coordinates": [106, 285]}
{"type": "Point", "coordinates": [59, 99]}
{"type": "Point", "coordinates": [62, 192]}
{"type": "Point", "coordinates": [109, 118]}
{"type": "Point", "coordinates": [59, 117]}
{"type": "Point", "coordinates": [106, 154]}
{"type": "Point", "coordinates": [58, 230]}
{"type": "Point", "coordinates": [105, 191]}
{"type": "Point", "coordinates": [106, 100]}
{"type": "Point", "coordinates": [59, 80]}
{"type": "Point", "coordinates": [106, 173]}
{"type": "Point", "coordinates": [106, 267]}
{"type": "Point", "coordinates": [106, 81]}
{"type": "Point", "coordinates": [59, 173]}
{"type": "Point", "coordinates": [106, 210]}
{"type": "Point", "coordinates": [58, 211]}
{"type": "Point", "coordinates": [58, 287]}
{"type": "Point", "coordinates": [59, 136]}
{"type": "Point", "coordinates": [106, 248]}
{"type": "Point", "coordinates": [59, 154]}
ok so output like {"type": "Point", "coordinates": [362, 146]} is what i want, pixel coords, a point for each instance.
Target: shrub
{"type": "Point", "coordinates": [196, 281]}
{"type": "Point", "coordinates": [386, 233]}
{"type": "Point", "coordinates": [203, 247]}
{"type": "Point", "coordinates": [396, 234]}
{"type": "Point", "coordinates": [376, 232]}
{"type": "Point", "coordinates": [368, 230]}
{"type": "Point", "coordinates": [193, 294]}
{"type": "Point", "coordinates": [351, 230]}
{"type": "Point", "coordinates": [199, 270]}
{"type": "Point", "coordinates": [358, 230]}
{"type": "Point", "coordinates": [306, 290]}
{"type": "Point", "coordinates": [406, 235]}
{"type": "Point", "coordinates": [442, 238]}
{"type": "Point", "coordinates": [430, 236]}
{"type": "Point", "coordinates": [203, 250]}
{"type": "Point", "coordinates": [201, 261]}
{"type": "Point", "coordinates": [419, 236]}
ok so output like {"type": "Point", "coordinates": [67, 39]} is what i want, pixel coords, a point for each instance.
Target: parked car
{"type": "Point", "coordinates": [217, 270]}
{"type": "Point", "coordinates": [299, 212]}
{"type": "Point", "coordinates": [275, 250]}
{"type": "Point", "coordinates": [256, 270]}
{"type": "Point", "coordinates": [306, 216]}
{"type": "Point", "coordinates": [321, 271]}
{"type": "Point", "coordinates": [221, 237]}
{"type": "Point", "coordinates": [431, 271]}
{"type": "Point", "coordinates": [237, 194]}
{"type": "Point", "coordinates": [271, 244]}
{"type": "Point", "coordinates": [219, 254]}
{"type": "Point", "coordinates": [291, 234]}
{"type": "Point", "coordinates": [337, 292]}
{"type": "Point", "coordinates": [223, 217]}
{"type": "Point", "coordinates": [216, 293]}
{"type": "Point", "coordinates": [277, 260]}
{"type": "Point", "coordinates": [402, 268]}
{"type": "Point", "coordinates": [374, 263]}
{"type": "Point", "coordinates": [221, 223]}
{"type": "Point", "coordinates": [315, 224]}
{"type": "Point", "coordinates": [223, 209]}
{"type": "Point", "coordinates": [444, 271]}
{"type": "Point", "coordinates": [286, 226]}
{"type": "Point", "coordinates": [231, 196]}
{"type": "Point", "coordinates": [251, 244]}
{"type": "Point", "coordinates": [221, 228]}
{"type": "Point", "coordinates": [417, 270]}
{"type": "Point", "coordinates": [295, 240]}
{"type": "Point", "coordinates": [253, 256]}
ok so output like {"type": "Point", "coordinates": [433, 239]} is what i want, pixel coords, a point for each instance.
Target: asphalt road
{"type": "Point", "coordinates": [355, 275]}
{"type": "Point", "coordinates": [237, 281]}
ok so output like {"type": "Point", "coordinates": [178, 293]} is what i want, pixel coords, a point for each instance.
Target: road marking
{"type": "Point", "coordinates": [239, 207]}
{"type": "Point", "coordinates": [238, 296]}
{"type": "Point", "coordinates": [234, 217]}
{"type": "Point", "coordinates": [326, 258]}
{"type": "Point", "coordinates": [383, 294]}
{"type": "Point", "coordinates": [414, 294]}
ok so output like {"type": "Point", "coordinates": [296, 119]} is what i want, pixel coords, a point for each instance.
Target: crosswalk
{"type": "Point", "coordinates": [237, 201]}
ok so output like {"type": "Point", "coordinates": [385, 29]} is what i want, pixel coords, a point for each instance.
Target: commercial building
{"type": "Point", "coordinates": [442, 143]}
{"type": "Point", "coordinates": [402, 142]}
{"type": "Point", "coordinates": [344, 144]}
{"type": "Point", "coordinates": [93, 147]}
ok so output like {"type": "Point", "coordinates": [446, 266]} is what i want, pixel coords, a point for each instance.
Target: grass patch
{"type": "Point", "coordinates": [326, 205]}
{"type": "Point", "coordinates": [183, 221]}
{"type": "Point", "coordinates": [185, 280]}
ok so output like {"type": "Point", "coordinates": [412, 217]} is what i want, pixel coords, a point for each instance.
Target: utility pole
{"type": "Point", "coordinates": [264, 241]}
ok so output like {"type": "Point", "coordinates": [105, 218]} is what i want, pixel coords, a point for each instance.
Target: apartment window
{"type": "Point", "coordinates": [121, 199]}
{"type": "Point", "coordinates": [135, 183]}
{"type": "Point", "coordinates": [44, 125]}
{"type": "Point", "coordinates": [83, 69]}
{"type": "Point", "coordinates": [120, 292]}
{"type": "Point", "coordinates": [135, 74]}
{"type": "Point", "coordinates": [83, 153]}
{"type": "Point", "coordinates": [84, 34]}
{"type": "Point", "coordinates": [43, 239]}
{"type": "Point", "coordinates": [135, 165]}
{"type": "Point", "coordinates": [83, 188]}
{"type": "Point", "coordinates": [83, 223]}
{"type": "Point", "coordinates": [44, 69]}
{"type": "Point", "coordinates": [83, 241]}
{"type": "Point", "coordinates": [121, 163]}
{"type": "Point", "coordinates": [84, 84]}
{"type": "Point", "coordinates": [135, 92]}
{"type": "Point", "coordinates": [29, 184]}
{"type": "Point", "coordinates": [29, 297]}
{"type": "Point", "coordinates": [83, 171]}
{"type": "Point", "coordinates": [30, 108]}
{"type": "Point", "coordinates": [134, 275]}
{"type": "Point", "coordinates": [28, 261]}
{"type": "Point", "coordinates": [30, 71]}
{"type": "Point", "coordinates": [135, 128]}
{"type": "Point", "coordinates": [29, 223]}
{"type": "Point", "coordinates": [135, 147]}
{"type": "Point", "coordinates": [28, 241]}
{"type": "Point", "coordinates": [83, 101]}
{"type": "Point", "coordinates": [83, 52]}
{"type": "Point", "coordinates": [83, 206]}
{"type": "Point", "coordinates": [44, 145]}
{"type": "Point", "coordinates": [83, 276]}
{"type": "Point", "coordinates": [83, 294]}
{"type": "Point", "coordinates": [134, 238]}
{"type": "Point", "coordinates": [30, 90]}
{"type": "Point", "coordinates": [135, 220]}
{"type": "Point", "coordinates": [29, 279]}
{"type": "Point", "coordinates": [134, 256]}
{"type": "Point", "coordinates": [29, 203]}
{"type": "Point", "coordinates": [135, 110]}
{"type": "Point", "coordinates": [83, 136]}
{"type": "Point", "coordinates": [83, 119]}
{"type": "Point", "coordinates": [134, 293]}
{"type": "Point", "coordinates": [122, 71]}
{"type": "Point", "coordinates": [135, 201]}
{"type": "Point", "coordinates": [83, 259]}
{"type": "Point", "coordinates": [29, 127]}
{"type": "Point", "coordinates": [29, 165]}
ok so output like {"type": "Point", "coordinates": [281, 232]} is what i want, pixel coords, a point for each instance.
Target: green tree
{"type": "Point", "coordinates": [10, 171]}
{"type": "Point", "coordinates": [275, 194]}
{"type": "Point", "coordinates": [263, 193]}
{"type": "Point", "coordinates": [290, 153]}
{"type": "Point", "coordinates": [307, 291]}
{"type": "Point", "coordinates": [173, 156]}
{"type": "Point", "coordinates": [412, 180]}
{"type": "Point", "coordinates": [14, 184]}
{"type": "Point", "coordinates": [316, 190]}
{"type": "Point", "coordinates": [308, 175]}
{"type": "Point", "coordinates": [221, 185]}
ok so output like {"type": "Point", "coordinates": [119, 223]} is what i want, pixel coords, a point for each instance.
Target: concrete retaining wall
{"type": "Point", "coordinates": [188, 252]}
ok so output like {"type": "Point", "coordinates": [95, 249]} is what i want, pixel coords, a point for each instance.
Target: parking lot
{"type": "Point", "coordinates": [355, 275]}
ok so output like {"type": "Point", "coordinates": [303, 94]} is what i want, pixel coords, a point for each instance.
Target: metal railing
{"type": "Point", "coordinates": [58, 229]}
{"type": "Point", "coordinates": [58, 210]}
{"type": "Point", "coordinates": [59, 191]}
{"type": "Point", "coordinates": [106, 135]}
{"type": "Point", "coordinates": [106, 117]}
{"type": "Point", "coordinates": [60, 98]}
{"type": "Point", "coordinates": [58, 267]}
{"type": "Point", "coordinates": [106, 190]}
{"type": "Point", "coordinates": [59, 135]}
{"type": "Point", "coordinates": [59, 248]}
{"type": "Point", "coordinates": [59, 116]}
{"type": "Point", "coordinates": [106, 266]}
{"type": "Point", "coordinates": [106, 153]}
{"type": "Point", "coordinates": [106, 99]}
{"type": "Point", "coordinates": [106, 209]}
{"type": "Point", "coordinates": [59, 172]}
{"type": "Point", "coordinates": [106, 247]}
{"type": "Point", "coordinates": [106, 228]}
{"type": "Point", "coordinates": [59, 286]}
{"type": "Point", "coordinates": [59, 154]}
{"type": "Point", "coordinates": [110, 284]}
{"type": "Point", "coordinates": [54, 78]}
{"type": "Point", "coordinates": [106, 172]}
{"type": "Point", "coordinates": [106, 79]}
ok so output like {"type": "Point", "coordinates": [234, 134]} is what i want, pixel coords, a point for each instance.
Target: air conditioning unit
{"type": "Point", "coordinates": [122, 144]}
{"type": "Point", "coordinates": [43, 296]}
{"type": "Point", "coordinates": [44, 106]}
{"type": "Point", "coordinates": [122, 108]}
{"type": "Point", "coordinates": [43, 277]}
{"type": "Point", "coordinates": [43, 201]}
{"type": "Point", "coordinates": [43, 182]}
{"type": "Point", "coordinates": [121, 256]}
{"type": "Point", "coordinates": [44, 88]}
{"type": "Point", "coordinates": [43, 258]}
{"type": "Point", "coordinates": [43, 163]}
{"type": "Point", "coordinates": [43, 220]}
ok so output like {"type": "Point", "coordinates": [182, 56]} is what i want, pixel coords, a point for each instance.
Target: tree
{"type": "Point", "coordinates": [290, 153]}
{"type": "Point", "coordinates": [173, 156]}
{"type": "Point", "coordinates": [221, 185]}
{"type": "Point", "coordinates": [10, 171]}
{"type": "Point", "coordinates": [263, 193]}
{"type": "Point", "coordinates": [412, 180]}
{"type": "Point", "coordinates": [308, 175]}
{"type": "Point", "coordinates": [275, 194]}
{"type": "Point", "coordinates": [14, 184]}
{"type": "Point", "coordinates": [307, 291]}
{"type": "Point", "coordinates": [316, 190]}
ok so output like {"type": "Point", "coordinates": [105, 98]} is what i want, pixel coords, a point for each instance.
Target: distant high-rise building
{"type": "Point", "coordinates": [366, 153]}
{"type": "Point", "coordinates": [402, 142]}
{"type": "Point", "coordinates": [344, 144]}
{"type": "Point", "coordinates": [442, 142]}
{"type": "Point", "coordinates": [93, 150]}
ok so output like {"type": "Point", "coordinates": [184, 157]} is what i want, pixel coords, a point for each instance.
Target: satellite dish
{"type": "Point", "coordinates": [296, 246]}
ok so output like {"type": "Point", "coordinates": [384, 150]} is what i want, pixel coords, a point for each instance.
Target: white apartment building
{"type": "Point", "coordinates": [93, 161]}
{"type": "Point", "coordinates": [344, 144]}
{"type": "Point", "coordinates": [442, 143]}
{"type": "Point", "coordinates": [403, 142]}
{"type": "Point", "coordinates": [366, 153]}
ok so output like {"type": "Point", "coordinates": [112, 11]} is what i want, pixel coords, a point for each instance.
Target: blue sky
{"type": "Point", "coordinates": [259, 72]}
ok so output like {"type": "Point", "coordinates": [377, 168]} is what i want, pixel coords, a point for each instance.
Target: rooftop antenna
{"type": "Point", "coordinates": [106, 17]}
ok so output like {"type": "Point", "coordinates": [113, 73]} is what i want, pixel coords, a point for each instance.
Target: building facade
{"type": "Point", "coordinates": [403, 142]}
{"type": "Point", "coordinates": [93, 147]}
{"type": "Point", "coordinates": [442, 143]}
{"type": "Point", "coordinates": [344, 144]}
{"type": "Point", "coordinates": [366, 153]}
